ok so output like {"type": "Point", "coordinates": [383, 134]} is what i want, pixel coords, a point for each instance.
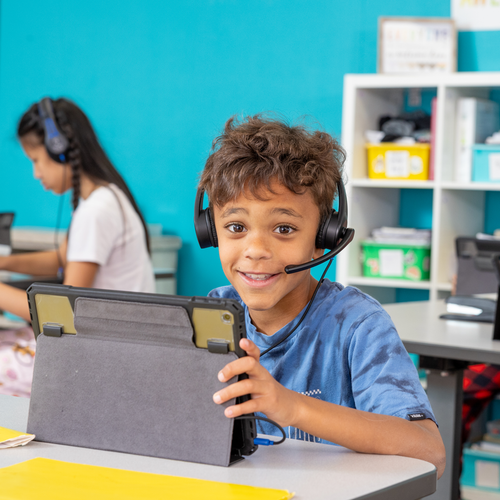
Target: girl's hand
{"type": "Point", "coordinates": [268, 396]}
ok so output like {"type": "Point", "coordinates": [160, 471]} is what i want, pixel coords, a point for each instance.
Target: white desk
{"type": "Point", "coordinates": [312, 471]}
{"type": "Point", "coordinates": [446, 348]}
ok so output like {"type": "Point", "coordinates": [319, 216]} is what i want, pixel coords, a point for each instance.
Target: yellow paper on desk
{"type": "Point", "coordinates": [45, 479]}
{"type": "Point", "coordinates": [10, 438]}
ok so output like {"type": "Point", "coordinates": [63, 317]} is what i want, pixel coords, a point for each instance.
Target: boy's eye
{"type": "Point", "coordinates": [284, 230]}
{"type": "Point", "coordinates": [235, 228]}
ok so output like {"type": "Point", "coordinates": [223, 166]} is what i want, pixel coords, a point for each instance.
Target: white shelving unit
{"type": "Point", "coordinates": [457, 208]}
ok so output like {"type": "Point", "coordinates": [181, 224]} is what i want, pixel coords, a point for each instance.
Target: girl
{"type": "Point", "coordinates": [107, 243]}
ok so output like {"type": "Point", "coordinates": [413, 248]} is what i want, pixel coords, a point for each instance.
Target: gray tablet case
{"type": "Point", "coordinates": [122, 384]}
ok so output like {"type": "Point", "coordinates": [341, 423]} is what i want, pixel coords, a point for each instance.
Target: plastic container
{"type": "Point", "coordinates": [481, 469]}
{"type": "Point", "coordinates": [397, 161]}
{"type": "Point", "coordinates": [396, 261]}
{"type": "Point", "coordinates": [486, 163]}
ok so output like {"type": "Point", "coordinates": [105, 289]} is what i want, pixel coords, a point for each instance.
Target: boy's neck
{"type": "Point", "coordinates": [270, 321]}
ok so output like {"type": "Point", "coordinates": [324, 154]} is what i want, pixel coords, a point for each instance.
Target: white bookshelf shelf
{"type": "Point", "coordinates": [445, 287]}
{"type": "Point", "coordinates": [457, 208]}
{"type": "Point", "coordinates": [473, 186]}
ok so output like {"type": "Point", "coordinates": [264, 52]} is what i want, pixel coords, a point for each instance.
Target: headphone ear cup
{"type": "Point", "coordinates": [211, 228]}
{"type": "Point", "coordinates": [333, 227]}
{"type": "Point", "coordinates": [205, 229]}
{"type": "Point", "coordinates": [320, 235]}
{"type": "Point", "coordinates": [203, 223]}
{"type": "Point", "coordinates": [329, 232]}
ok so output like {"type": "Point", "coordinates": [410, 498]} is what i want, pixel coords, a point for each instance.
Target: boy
{"type": "Point", "coordinates": [343, 376]}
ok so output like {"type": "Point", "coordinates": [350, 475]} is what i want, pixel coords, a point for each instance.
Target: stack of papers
{"type": "Point", "coordinates": [402, 235]}
{"type": "Point", "coordinates": [493, 139]}
{"type": "Point", "coordinates": [486, 446]}
{"type": "Point", "coordinates": [10, 438]}
{"type": "Point", "coordinates": [492, 237]}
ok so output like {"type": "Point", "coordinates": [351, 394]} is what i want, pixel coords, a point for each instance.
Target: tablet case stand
{"type": "Point", "coordinates": [131, 380]}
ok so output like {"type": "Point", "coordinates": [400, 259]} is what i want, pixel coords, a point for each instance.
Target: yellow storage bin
{"type": "Point", "coordinates": [397, 161]}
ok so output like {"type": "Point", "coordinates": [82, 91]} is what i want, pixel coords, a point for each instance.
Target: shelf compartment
{"type": "Point", "coordinates": [460, 213]}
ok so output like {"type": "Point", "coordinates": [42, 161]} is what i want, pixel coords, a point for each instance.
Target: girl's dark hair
{"type": "Point", "coordinates": [85, 154]}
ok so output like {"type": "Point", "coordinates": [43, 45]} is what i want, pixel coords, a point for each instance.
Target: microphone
{"type": "Point", "coordinates": [347, 235]}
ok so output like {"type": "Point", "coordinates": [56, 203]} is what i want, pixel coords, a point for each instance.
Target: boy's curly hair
{"type": "Point", "coordinates": [254, 152]}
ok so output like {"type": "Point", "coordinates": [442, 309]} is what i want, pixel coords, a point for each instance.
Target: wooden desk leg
{"type": "Point", "coordinates": [444, 389]}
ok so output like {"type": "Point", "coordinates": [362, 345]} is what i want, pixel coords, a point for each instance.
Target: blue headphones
{"type": "Point", "coordinates": [56, 142]}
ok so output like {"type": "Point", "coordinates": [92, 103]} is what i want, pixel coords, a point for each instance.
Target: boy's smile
{"type": "Point", "coordinates": [257, 240]}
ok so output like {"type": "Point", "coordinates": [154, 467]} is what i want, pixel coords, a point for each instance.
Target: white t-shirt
{"type": "Point", "coordinates": [106, 230]}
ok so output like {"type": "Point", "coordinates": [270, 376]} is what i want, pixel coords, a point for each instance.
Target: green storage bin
{"type": "Point", "coordinates": [395, 260]}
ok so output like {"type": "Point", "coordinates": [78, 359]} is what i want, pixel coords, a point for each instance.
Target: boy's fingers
{"type": "Point", "coordinates": [240, 388]}
{"type": "Point", "coordinates": [250, 348]}
{"type": "Point", "coordinates": [247, 364]}
{"type": "Point", "coordinates": [241, 409]}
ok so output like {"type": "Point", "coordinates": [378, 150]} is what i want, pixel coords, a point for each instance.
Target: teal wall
{"type": "Point", "coordinates": [158, 80]}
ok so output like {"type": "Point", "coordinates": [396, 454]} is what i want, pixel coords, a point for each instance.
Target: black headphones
{"type": "Point", "coordinates": [56, 142]}
{"type": "Point", "coordinates": [332, 233]}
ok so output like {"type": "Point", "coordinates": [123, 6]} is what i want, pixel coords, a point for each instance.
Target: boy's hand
{"type": "Point", "coordinates": [268, 396]}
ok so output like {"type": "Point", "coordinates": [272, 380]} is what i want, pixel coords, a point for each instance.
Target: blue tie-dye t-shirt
{"type": "Point", "coordinates": [346, 351]}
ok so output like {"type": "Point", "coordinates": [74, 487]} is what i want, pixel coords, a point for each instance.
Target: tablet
{"type": "Point", "coordinates": [212, 325]}
{"type": "Point", "coordinates": [218, 324]}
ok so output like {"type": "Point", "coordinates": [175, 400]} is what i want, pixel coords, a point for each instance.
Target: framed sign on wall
{"type": "Point", "coordinates": [416, 45]}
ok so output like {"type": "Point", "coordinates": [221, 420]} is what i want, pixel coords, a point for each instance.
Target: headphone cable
{"type": "Point", "coordinates": [60, 270]}
{"type": "Point", "coordinates": [265, 442]}
{"type": "Point", "coordinates": [305, 312]}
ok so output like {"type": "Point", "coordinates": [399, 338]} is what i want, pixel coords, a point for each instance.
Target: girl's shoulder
{"type": "Point", "coordinates": [104, 199]}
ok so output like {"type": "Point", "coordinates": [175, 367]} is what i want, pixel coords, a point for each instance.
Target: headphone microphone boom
{"type": "Point", "coordinates": [346, 238]}
{"type": "Point", "coordinates": [333, 233]}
